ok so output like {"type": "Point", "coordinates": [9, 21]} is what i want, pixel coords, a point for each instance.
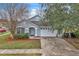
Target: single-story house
{"type": "Point", "coordinates": [35, 27]}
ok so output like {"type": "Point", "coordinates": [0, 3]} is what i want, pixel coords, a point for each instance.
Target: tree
{"type": "Point", "coordinates": [62, 16]}
{"type": "Point", "coordinates": [13, 13]}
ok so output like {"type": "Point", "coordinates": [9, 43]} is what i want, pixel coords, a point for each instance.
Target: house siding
{"type": "Point", "coordinates": [28, 25]}
{"type": "Point", "coordinates": [40, 30]}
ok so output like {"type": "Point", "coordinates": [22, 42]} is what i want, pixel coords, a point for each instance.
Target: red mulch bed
{"type": "Point", "coordinates": [21, 39]}
{"type": "Point", "coordinates": [73, 41]}
{"type": "Point", "coordinates": [10, 41]}
{"type": "Point", "coordinates": [25, 39]}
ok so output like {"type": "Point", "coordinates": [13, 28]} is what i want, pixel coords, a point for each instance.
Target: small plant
{"type": "Point", "coordinates": [22, 36]}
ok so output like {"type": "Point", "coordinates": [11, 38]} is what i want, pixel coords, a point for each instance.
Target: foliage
{"type": "Point", "coordinates": [63, 16]}
{"type": "Point", "coordinates": [66, 35]}
{"type": "Point", "coordinates": [77, 34]}
{"type": "Point", "coordinates": [22, 36]}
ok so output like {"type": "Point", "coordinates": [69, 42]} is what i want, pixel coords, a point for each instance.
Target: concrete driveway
{"type": "Point", "coordinates": [57, 47]}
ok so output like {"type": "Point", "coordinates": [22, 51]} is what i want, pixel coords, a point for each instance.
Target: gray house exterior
{"type": "Point", "coordinates": [35, 27]}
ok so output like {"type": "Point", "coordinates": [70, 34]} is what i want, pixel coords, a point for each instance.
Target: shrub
{"type": "Point", "coordinates": [77, 34]}
{"type": "Point", "coordinates": [22, 36]}
{"type": "Point", "coordinates": [66, 35]}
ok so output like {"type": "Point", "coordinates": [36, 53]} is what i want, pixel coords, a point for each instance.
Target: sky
{"type": "Point", "coordinates": [33, 7]}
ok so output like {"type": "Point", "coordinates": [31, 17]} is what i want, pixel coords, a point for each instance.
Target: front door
{"type": "Point", "coordinates": [32, 31]}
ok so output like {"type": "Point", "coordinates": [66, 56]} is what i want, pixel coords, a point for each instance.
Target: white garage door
{"type": "Point", "coordinates": [47, 32]}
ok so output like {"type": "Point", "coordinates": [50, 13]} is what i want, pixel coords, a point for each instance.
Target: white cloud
{"type": "Point", "coordinates": [34, 12]}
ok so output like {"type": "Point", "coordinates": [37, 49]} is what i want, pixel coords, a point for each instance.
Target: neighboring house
{"type": "Point", "coordinates": [34, 27]}
{"type": "Point", "coordinates": [3, 23]}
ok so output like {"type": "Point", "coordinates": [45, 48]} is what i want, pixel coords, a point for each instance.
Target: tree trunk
{"type": "Point", "coordinates": [69, 35]}
{"type": "Point", "coordinates": [12, 34]}
{"type": "Point", "coordinates": [12, 30]}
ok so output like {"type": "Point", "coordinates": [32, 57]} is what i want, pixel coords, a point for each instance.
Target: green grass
{"type": "Point", "coordinates": [3, 33]}
{"type": "Point", "coordinates": [23, 44]}
{"type": "Point", "coordinates": [4, 37]}
{"type": "Point", "coordinates": [18, 44]}
{"type": "Point", "coordinates": [29, 54]}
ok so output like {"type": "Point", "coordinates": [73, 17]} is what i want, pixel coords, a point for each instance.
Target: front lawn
{"type": "Point", "coordinates": [4, 36]}
{"type": "Point", "coordinates": [21, 44]}
{"type": "Point", "coordinates": [18, 44]}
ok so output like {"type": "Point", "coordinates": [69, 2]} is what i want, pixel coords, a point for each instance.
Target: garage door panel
{"type": "Point", "coordinates": [47, 33]}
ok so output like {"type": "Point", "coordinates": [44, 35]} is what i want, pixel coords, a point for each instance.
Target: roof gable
{"type": "Point", "coordinates": [34, 18]}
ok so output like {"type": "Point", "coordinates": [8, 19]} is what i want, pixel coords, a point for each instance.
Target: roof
{"type": "Point", "coordinates": [3, 20]}
{"type": "Point", "coordinates": [40, 23]}
{"type": "Point", "coordinates": [29, 18]}
{"type": "Point", "coordinates": [34, 16]}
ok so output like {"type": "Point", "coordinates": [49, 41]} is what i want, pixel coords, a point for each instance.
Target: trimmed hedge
{"type": "Point", "coordinates": [22, 36]}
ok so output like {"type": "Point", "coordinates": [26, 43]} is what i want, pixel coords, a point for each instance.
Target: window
{"type": "Point", "coordinates": [20, 30]}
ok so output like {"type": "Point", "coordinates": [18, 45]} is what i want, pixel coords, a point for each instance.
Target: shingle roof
{"type": "Point", "coordinates": [29, 19]}
{"type": "Point", "coordinates": [40, 23]}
